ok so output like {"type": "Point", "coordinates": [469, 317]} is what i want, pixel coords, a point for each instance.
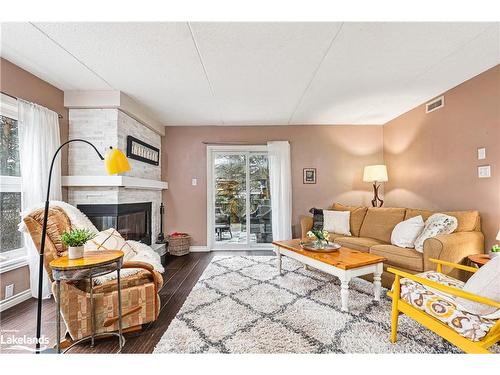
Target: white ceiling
{"type": "Point", "coordinates": [258, 73]}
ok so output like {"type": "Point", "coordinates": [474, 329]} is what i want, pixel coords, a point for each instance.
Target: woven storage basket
{"type": "Point", "coordinates": [178, 245]}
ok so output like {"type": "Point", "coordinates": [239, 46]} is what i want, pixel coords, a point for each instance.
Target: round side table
{"type": "Point", "coordinates": [479, 259]}
{"type": "Point", "coordinates": [93, 264]}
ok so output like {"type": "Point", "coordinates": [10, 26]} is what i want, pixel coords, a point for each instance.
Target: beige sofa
{"type": "Point", "coordinates": [371, 230]}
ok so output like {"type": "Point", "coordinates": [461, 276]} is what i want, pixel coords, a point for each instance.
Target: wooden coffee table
{"type": "Point", "coordinates": [344, 263]}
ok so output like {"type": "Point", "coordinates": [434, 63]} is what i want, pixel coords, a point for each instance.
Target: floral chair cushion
{"type": "Point", "coordinates": [443, 307]}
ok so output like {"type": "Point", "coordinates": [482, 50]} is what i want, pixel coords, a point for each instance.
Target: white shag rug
{"type": "Point", "coordinates": [241, 305]}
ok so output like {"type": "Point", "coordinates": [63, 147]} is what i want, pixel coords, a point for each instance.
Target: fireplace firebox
{"type": "Point", "coordinates": [131, 220]}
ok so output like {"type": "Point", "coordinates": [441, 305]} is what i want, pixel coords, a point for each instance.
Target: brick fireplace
{"type": "Point", "coordinates": [89, 188]}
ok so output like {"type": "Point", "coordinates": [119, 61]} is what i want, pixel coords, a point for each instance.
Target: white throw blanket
{"type": "Point", "coordinates": [141, 252]}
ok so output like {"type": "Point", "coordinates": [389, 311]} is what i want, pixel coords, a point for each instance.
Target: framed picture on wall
{"type": "Point", "coordinates": [309, 175]}
{"type": "Point", "coordinates": [139, 150]}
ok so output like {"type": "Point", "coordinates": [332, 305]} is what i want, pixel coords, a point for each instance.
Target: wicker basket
{"type": "Point", "coordinates": [178, 245]}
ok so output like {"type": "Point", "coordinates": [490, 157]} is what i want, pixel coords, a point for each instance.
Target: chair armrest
{"type": "Point", "coordinates": [446, 289]}
{"type": "Point", "coordinates": [452, 248]}
{"type": "Point", "coordinates": [306, 224]}
{"type": "Point", "coordinates": [157, 278]}
{"type": "Point", "coordinates": [136, 264]}
{"type": "Point", "coordinates": [451, 265]}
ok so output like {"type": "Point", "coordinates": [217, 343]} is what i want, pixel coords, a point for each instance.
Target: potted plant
{"type": "Point", "coordinates": [74, 240]}
{"type": "Point", "coordinates": [320, 237]}
{"type": "Point", "coordinates": [495, 251]}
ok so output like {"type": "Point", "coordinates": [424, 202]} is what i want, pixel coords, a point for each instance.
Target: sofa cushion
{"type": "Point", "coordinates": [406, 232]}
{"type": "Point", "coordinates": [318, 218]}
{"type": "Point", "coordinates": [486, 283]}
{"type": "Point", "coordinates": [467, 220]}
{"type": "Point", "coordinates": [358, 243]}
{"type": "Point", "coordinates": [409, 259]}
{"type": "Point", "coordinates": [379, 223]}
{"type": "Point", "coordinates": [357, 216]}
{"type": "Point", "coordinates": [436, 225]}
{"type": "Point", "coordinates": [412, 212]}
{"type": "Point", "coordinates": [337, 222]}
{"type": "Point", "coordinates": [333, 236]}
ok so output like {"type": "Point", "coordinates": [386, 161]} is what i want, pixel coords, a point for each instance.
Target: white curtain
{"type": "Point", "coordinates": [38, 141]}
{"type": "Point", "coordinates": [280, 176]}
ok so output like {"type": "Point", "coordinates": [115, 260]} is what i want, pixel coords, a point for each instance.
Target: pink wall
{"type": "Point", "coordinates": [24, 85]}
{"type": "Point", "coordinates": [338, 152]}
{"type": "Point", "coordinates": [432, 158]}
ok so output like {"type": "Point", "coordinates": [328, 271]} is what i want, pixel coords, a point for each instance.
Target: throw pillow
{"type": "Point", "coordinates": [486, 283]}
{"type": "Point", "coordinates": [317, 218]}
{"type": "Point", "coordinates": [337, 222]}
{"type": "Point", "coordinates": [110, 239]}
{"type": "Point", "coordinates": [435, 225]}
{"type": "Point", "coordinates": [406, 232]}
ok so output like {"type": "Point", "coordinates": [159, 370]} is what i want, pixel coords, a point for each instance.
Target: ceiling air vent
{"type": "Point", "coordinates": [434, 104]}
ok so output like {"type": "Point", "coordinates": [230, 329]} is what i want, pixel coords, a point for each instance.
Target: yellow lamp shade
{"type": "Point", "coordinates": [115, 161]}
{"type": "Point", "coordinates": [376, 173]}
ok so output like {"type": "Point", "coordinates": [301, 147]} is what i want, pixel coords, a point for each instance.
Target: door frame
{"type": "Point", "coordinates": [211, 150]}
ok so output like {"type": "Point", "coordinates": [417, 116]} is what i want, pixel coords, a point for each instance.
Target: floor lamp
{"type": "Point", "coordinates": [114, 162]}
{"type": "Point", "coordinates": [375, 173]}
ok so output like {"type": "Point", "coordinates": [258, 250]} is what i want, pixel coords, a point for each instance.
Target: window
{"type": "Point", "coordinates": [11, 240]}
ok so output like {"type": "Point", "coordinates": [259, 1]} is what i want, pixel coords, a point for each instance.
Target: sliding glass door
{"type": "Point", "coordinates": [239, 213]}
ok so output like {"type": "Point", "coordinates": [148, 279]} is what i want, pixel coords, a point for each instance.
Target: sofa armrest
{"type": "Point", "coordinates": [452, 248]}
{"type": "Point", "coordinates": [306, 224]}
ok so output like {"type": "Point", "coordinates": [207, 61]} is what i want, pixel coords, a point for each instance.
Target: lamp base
{"type": "Point", "coordinates": [376, 201]}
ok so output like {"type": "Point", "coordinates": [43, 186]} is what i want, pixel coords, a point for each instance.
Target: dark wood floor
{"type": "Point", "coordinates": [180, 276]}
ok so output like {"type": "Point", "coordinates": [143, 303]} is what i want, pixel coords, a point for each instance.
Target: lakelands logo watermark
{"type": "Point", "coordinates": [11, 341]}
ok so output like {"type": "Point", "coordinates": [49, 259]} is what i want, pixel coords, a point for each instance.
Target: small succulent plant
{"type": "Point", "coordinates": [77, 237]}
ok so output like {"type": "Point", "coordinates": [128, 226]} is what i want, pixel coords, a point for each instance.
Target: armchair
{"type": "Point", "coordinates": [140, 299]}
{"type": "Point", "coordinates": [428, 298]}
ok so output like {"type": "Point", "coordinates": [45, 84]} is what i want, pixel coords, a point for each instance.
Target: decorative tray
{"type": "Point", "coordinates": [327, 248]}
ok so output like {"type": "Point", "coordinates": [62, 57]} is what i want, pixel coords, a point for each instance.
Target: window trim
{"type": "Point", "coordinates": [14, 258]}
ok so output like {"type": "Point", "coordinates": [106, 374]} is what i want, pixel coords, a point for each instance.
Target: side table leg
{"type": "Point", "coordinates": [377, 285]}
{"type": "Point", "coordinates": [92, 312]}
{"type": "Point", "coordinates": [344, 293]}
{"type": "Point", "coordinates": [58, 316]}
{"type": "Point", "coordinates": [119, 308]}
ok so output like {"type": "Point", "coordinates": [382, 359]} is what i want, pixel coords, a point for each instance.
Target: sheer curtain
{"type": "Point", "coordinates": [280, 176]}
{"type": "Point", "coordinates": [38, 141]}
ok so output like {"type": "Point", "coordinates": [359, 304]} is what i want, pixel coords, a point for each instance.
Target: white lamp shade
{"type": "Point", "coordinates": [375, 173]}
{"type": "Point", "coordinates": [498, 236]}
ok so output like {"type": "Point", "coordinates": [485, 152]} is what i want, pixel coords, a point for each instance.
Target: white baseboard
{"type": "Point", "coordinates": [199, 249]}
{"type": "Point", "coordinates": [14, 300]}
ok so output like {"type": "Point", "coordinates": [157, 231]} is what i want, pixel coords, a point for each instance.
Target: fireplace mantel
{"type": "Point", "coordinates": [114, 181]}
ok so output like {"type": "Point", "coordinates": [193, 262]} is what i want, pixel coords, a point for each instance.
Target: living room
{"type": "Point", "coordinates": [250, 187]}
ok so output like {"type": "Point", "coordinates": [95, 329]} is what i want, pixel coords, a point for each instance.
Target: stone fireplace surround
{"type": "Point", "coordinates": [87, 182]}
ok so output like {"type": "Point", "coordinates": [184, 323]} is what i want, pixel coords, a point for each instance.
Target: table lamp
{"type": "Point", "coordinates": [115, 162]}
{"type": "Point", "coordinates": [375, 173]}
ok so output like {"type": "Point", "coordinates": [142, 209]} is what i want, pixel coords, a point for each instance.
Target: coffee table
{"type": "Point", "coordinates": [344, 263]}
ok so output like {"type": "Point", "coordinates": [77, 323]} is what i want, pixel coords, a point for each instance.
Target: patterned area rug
{"type": "Point", "coordinates": [241, 305]}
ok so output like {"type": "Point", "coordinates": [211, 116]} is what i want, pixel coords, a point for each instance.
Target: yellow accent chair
{"type": "Point", "coordinates": [429, 298]}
